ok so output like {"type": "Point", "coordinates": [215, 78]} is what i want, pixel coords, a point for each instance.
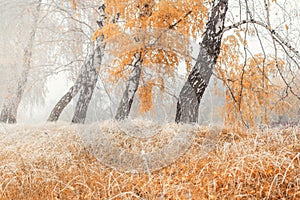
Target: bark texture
{"type": "Point", "coordinates": [8, 114]}
{"type": "Point", "coordinates": [131, 88]}
{"type": "Point", "coordinates": [85, 83]}
{"type": "Point", "coordinates": [88, 86]}
{"type": "Point", "coordinates": [198, 79]}
{"type": "Point", "coordinates": [66, 99]}
{"type": "Point", "coordinates": [11, 104]}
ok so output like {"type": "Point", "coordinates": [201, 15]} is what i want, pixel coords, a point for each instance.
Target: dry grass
{"type": "Point", "coordinates": [50, 162]}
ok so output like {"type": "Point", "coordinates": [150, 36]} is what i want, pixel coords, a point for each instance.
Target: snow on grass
{"type": "Point", "coordinates": [136, 145]}
{"type": "Point", "coordinates": [34, 143]}
{"type": "Point", "coordinates": [58, 161]}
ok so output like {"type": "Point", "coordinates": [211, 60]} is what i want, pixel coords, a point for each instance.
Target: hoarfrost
{"type": "Point", "coordinates": [128, 146]}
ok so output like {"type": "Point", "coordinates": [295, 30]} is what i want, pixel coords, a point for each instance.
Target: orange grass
{"type": "Point", "coordinates": [50, 162]}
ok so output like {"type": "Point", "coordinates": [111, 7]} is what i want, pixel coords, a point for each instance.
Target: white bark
{"type": "Point", "coordinates": [89, 84]}
{"type": "Point", "coordinates": [131, 88]}
{"type": "Point", "coordinates": [194, 88]}
{"type": "Point", "coordinates": [11, 104]}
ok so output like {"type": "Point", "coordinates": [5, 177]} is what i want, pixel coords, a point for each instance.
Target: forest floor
{"type": "Point", "coordinates": [52, 161]}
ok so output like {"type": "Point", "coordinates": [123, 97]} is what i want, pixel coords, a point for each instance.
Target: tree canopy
{"type": "Point", "coordinates": [256, 58]}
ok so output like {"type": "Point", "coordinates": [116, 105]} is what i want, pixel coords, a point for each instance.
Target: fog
{"type": "Point", "coordinates": [59, 41]}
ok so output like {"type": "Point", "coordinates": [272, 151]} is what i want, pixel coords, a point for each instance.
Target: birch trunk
{"type": "Point", "coordinates": [91, 77]}
{"type": "Point", "coordinates": [66, 99]}
{"type": "Point", "coordinates": [198, 79]}
{"type": "Point", "coordinates": [10, 107]}
{"type": "Point", "coordinates": [131, 88]}
{"type": "Point", "coordinates": [85, 82]}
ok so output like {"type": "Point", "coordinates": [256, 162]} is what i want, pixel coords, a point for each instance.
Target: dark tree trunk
{"type": "Point", "coordinates": [85, 82]}
{"type": "Point", "coordinates": [131, 88]}
{"type": "Point", "coordinates": [7, 114]}
{"type": "Point", "coordinates": [90, 77]}
{"type": "Point", "coordinates": [193, 90]}
{"type": "Point", "coordinates": [10, 107]}
{"type": "Point", "coordinates": [65, 100]}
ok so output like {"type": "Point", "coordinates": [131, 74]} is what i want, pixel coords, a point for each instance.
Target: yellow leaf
{"type": "Point", "coordinates": [286, 27]}
{"type": "Point", "coordinates": [74, 5]}
{"type": "Point", "coordinates": [145, 96]}
{"type": "Point", "coordinates": [97, 33]}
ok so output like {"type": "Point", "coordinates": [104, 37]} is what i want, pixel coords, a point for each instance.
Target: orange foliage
{"type": "Point", "coordinates": [288, 104]}
{"type": "Point", "coordinates": [251, 93]}
{"type": "Point", "coordinates": [145, 96]}
{"type": "Point", "coordinates": [146, 14]}
{"type": "Point", "coordinates": [74, 4]}
{"type": "Point", "coordinates": [110, 30]}
{"type": "Point", "coordinates": [159, 30]}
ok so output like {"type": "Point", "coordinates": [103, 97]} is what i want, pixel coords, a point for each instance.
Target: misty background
{"type": "Point", "coordinates": [61, 45]}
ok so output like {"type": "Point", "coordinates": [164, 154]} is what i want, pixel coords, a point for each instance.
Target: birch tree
{"type": "Point", "coordinates": [198, 79]}
{"type": "Point", "coordinates": [249, 77]}
{"type": "Point", "coordinates": [85, 82]}
{"type": "Point", "coordinates": [12, 102]}
{"type": "Point", "coordinates": [131, 88]}
{"type": "Point", "coordinates": [144, 40]}
{"type": "Point", "coordinates": [90, 77]}
{"type": "Point", "coordinates": [149, 36]}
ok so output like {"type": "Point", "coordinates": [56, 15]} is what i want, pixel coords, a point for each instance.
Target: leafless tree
{"type": "Point", "coordinates": [11, 104]}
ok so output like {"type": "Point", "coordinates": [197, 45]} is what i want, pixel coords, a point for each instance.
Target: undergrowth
{"type": "Point", "coordinates": [50, 162]}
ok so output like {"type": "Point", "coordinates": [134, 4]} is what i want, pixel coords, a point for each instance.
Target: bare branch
{"type": "Point", "coordinates": [272, 31]}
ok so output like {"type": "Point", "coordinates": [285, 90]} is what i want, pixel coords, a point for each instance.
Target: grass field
{"type": "Point", "coordinates": [50, 161]}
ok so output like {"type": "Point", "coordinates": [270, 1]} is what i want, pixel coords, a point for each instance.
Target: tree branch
{"type": "Point", "coordinates": [272, 31]}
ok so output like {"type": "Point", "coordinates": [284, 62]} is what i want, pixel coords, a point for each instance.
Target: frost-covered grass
{"type": "Point", "coordinates": [51, 161]}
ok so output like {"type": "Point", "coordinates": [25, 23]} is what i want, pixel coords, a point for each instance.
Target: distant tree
{"type": "Point", "coordinates": [11, 103]}
{"type": "Point", "coordinates": [86, 81]}
{"type": "Point", "coordinates": [131, 88]}
{"type": "Point", "coordinates": [90, 77]}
